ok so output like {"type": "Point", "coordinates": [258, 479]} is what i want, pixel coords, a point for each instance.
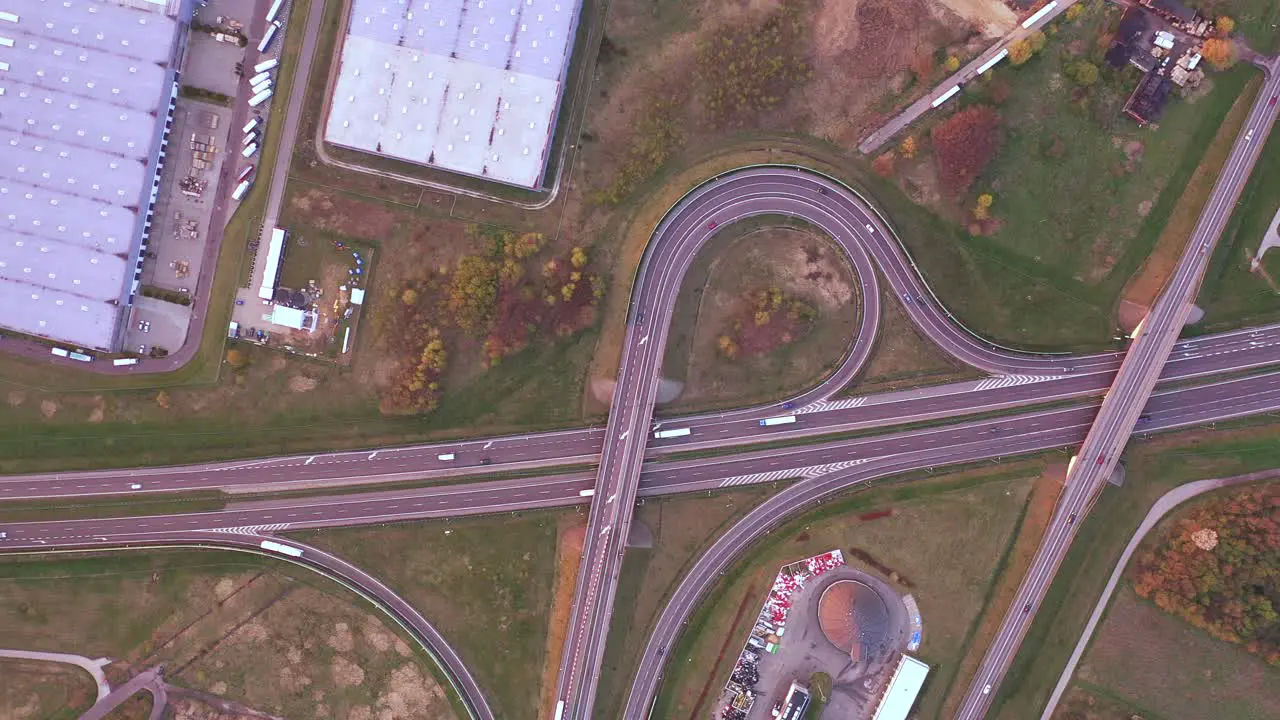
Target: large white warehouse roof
{"type": "Point", "coordinates": [471, 86]}
{"type": "Point", "coordinates": [84, 89]}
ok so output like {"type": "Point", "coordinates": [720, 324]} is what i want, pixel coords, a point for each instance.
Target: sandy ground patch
{"type": "Point", "coordinates": [336, 212]}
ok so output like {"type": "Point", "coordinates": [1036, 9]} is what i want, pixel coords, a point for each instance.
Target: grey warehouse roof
{"type": "Point", "coordinates": [471, 86]}
{"type": "Point", "coordinates": [83, 87]}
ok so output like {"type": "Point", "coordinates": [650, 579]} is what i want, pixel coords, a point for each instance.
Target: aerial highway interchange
{"type": "Point", "coordinates": [631, 465]}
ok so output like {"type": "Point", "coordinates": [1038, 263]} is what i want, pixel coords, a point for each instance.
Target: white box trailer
{"type": "Point", "coordinates": [240, 190]}
{"type": "Point", "coordinates": [266, 65]}
{"type": "Point", "coordinates": [678, 432]}
{"type": "Point", "coordinates": [268, 36]}
{"type": "Point", "coordinates": [252, 125]}
{"type": "Point", "coordinates": [445, 456]}
{"type": "Point", "coordinates": [260, 78]}
{"type": "Point", "coordinates": [60, 352]}
{"type": "Point", "coordinates": [125, 361]}
{"type": "Point", "coordinates": [259, 98]}
{"type": "Point", "coordinates": [249, 150]}
{"type": "Point", "coordinates": [274, 10]}
{"type": "Point", "coordinates": [280, 548]}
{"type": "Point", "coordinates": [784, 420]}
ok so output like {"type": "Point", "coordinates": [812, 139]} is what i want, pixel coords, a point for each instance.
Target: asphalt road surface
{"type": "Point", "coordinates": [1124, 402]}
{"type": "Point", "coordinates": [1226, 352]}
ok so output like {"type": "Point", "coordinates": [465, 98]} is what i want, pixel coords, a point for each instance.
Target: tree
{"type": "Point", "coordinates": [409, 297]}
{"type": "Point", "coordinates": [982, 208]}
{"type": "Point", "coordinates": [963, 145]}
{"type": "Point", "coordinates": [1219, 53]}
{"type": "Point", "coordinates": [884, 162]}
{"type": "Point", "coordinates": [578, 257]}
{"type": "Point", "coordinates": [952, 64]}
{"type": "Point", "coordinates": [1083, 72]}
{"type": "Point", "coordinates": [473, 292]}
{"type": "Point", "coordinates": [728, 346]}
{"type": "Point", "coordinates": [1036, 41]}
{"type": "Point", "coordinates": [1225, 25]}
{"type": "Point", "coordinates": [237, 358]}
{"type": "Point", "coordinates": [1020, 52]}
{"type": "Point", "coordinates": [1074, 12]}
{"type": "Point", "coordinates": [908, 147]}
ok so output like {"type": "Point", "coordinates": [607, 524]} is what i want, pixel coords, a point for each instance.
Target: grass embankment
{"type": "Point", "coordinates": [1153, 467]}
{"type": "Point", "coordinates": [1145, 286]}
{"type": "Point", "coordinates": [486, 583]}
{"type": "Point", "coordinates": [1233, 293]}
{"type": "Point", "coordinates": [756, 255]}
{"type": "Point", "coordinates": [971, 517]}
{"type": "Point", "coordinates": [271, 635]}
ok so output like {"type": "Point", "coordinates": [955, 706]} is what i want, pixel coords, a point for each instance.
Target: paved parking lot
{"type": "Point", "coordinates": [181, 224]}
{"type": "Point", "coordinates": [167, 329]}
{"type": "Point", "coordinates": [215, 65]}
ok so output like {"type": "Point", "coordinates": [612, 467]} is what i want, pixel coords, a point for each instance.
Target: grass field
{"type": "Point", "coordinates": [1155, 664]}
{"type": "Point", "coordinates": [44, 691]}
{"type": "Point", "coordinates": [1256, 20]}
{"type": "Point", "coordinates": [1232, 294]}
{"type": "Point", "coordinates": [1153, 466]}
{"type": "Point", "coordinates": [1081, 193]}
{"type": "Point", "coordinates": [486, 583]}
{"type": "Point", "coordinates": [946, 538]}
{"type": "Point", "coordinates": [266, 634]}
{"type": "Point", "coordinates": [752, 256]}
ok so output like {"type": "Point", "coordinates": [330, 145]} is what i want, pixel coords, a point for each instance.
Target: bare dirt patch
{"type": "Point", "coordinates": [38, 690]}
{"type": "Point", "coordinates": [337, 212]}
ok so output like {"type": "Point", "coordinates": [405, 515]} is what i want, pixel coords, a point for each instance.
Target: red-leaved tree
{"type": "Point", "coordinates": [964, 144]}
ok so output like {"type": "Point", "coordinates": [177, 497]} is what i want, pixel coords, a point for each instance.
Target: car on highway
{"type": "Point", "coordinates": [986, 690]}
{"type": "Point", "coordinates": [788, 405]}
{"type": "Point", "coordinates": [1026, 608]}
{"type": "Point", "coordinates": [870, 229]}
{"type": "Point", "coordinates": [906, 297]}
{"type": "Point", "coordinates": [711, 225]}
{"type": "Point", "coordinates": [3, 535]}
{"type": "Point", "coordinates": [1071, 520]}
{"type": "Point", "coordinates": [135, 486]}
{"type": "Point", "coordinates": [1272, 102]}
{"type": "Point", "coordinates": [822, 191]}
{"type": "Point", "coordinates": [1102, 459]}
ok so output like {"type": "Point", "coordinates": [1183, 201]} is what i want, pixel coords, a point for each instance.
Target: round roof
{"type": "Point", "coordinates": [853, 617]}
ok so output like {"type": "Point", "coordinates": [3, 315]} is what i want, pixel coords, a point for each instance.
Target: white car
{"type": "Point", "coordinates": [986, 690]}
{"type": "Point", "coordinates": [135, 486]}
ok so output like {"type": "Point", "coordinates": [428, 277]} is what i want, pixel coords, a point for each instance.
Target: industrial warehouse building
{"type": "Point", "coordinates": [87, 91]}
{"type": "Point", "coordinates": [470, 86]}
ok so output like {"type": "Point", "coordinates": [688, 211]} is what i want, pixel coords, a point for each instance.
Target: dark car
{"type": "Point", "coordinates": [1071, 520]}
{"type": "Point", "coordinates": [1026, 608]}
{"type": "Point", "coordinates": [486, 461]}
{"type": "Point", "coordinates": [788, 405]}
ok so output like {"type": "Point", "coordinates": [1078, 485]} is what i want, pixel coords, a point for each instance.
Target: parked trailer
{"type": "Point", "coordinates": [783, 420]}
{"type": "Point", "coordinates": [260, 78]}
{"type": "Point", "coordinates": [945, 96]}
{"type": "Point", "coordinates": [249, 138]}
{"type": "Point", "coordinates": [992, 62]}
{"type": "Point", "coordinates": [245, 173]}
{"type": "Point", "coordinates": [60, 352]}
{"type": "Point", "coordinates": [1039, 14]}
{"type": "Point", "coordinates": [125, 361]}
{"type": "Point", "coordinates": [260, 98]}
{"type": "Point", "coordinates": [249, 150]}
{"type": "Point", "coordinates": [251, 125]}
{"type": "Point", "coordinates": [270, 35]}
{"type": "Point", "coordinates": [266, 65]}
{"type": "Point", "coordinates": [258, 89]}
{"type": "Point", "coordinates": [80, 357]}
{"type": "Point", "coordinates": [678, 432]}
{"type": "Point", "coordinates": [281, 548]}
{"type": "Point", "coordinates": [240, 190]}
{"type": "Point", "coordinates": [274, 10]}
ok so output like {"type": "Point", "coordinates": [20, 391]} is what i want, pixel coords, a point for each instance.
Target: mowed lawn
{"type": "Point", "coordinates": [1158, 665]}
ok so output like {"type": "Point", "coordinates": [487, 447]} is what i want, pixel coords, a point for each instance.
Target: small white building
{"type": "Point", "coordinates": [904, 687]}
{"type": "Point", "coordinates": [292, 318]}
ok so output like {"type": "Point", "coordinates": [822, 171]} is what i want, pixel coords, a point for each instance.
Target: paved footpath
{"type": "Point", "coordinates": [1162, 507]}
{"type": "Point", "coordinates": [89, 665]}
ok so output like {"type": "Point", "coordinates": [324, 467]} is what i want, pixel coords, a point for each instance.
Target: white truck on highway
{"type": "Point", "coordinates": [678, 432]}
{"type": "Point", "coordinates": [783, 420]}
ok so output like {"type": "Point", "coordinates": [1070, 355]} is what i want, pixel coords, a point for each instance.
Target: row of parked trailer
{"type": "Point", "coordinates": [260, 85]}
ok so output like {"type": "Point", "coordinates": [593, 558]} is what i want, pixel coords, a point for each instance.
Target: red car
{"type": "Point", "coordinates": [711, 226]}
{"type": "Point", "coordinates": [1102, 459]}
{"type": "Point", "coordinates": [1273, 100]}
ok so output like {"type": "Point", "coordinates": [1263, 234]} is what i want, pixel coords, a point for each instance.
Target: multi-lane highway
{"type": "Point", "coordinates": [620, 448]}
{"type": "Point", "coordinates": [1123, 403]}
{"type": "Point", "coordinates": [1224, 352]}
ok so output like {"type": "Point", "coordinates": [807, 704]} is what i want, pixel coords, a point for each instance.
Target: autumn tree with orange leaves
{"type": "Point", "coordinates": [1219, 569]}
{"type": "Point", "coordinates": [964, 144]}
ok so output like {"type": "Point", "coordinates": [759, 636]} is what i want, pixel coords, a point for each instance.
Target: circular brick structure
{"type": "Point", "coordinates": [853, 617]}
